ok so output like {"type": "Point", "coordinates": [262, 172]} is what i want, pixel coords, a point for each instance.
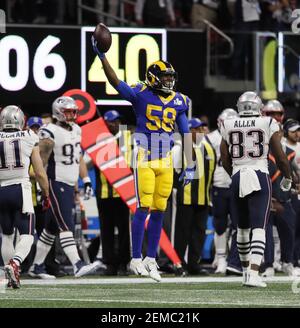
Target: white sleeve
{"type": "Point", "coordinates": [177, 157]}
{"type": "Point", "coordinates": [32, 139]}
{"type": "Point", "coordinates": [274, 126]}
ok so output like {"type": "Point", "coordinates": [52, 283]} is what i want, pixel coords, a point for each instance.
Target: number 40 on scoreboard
{"type": "Point", "coordinates": [131, 52]}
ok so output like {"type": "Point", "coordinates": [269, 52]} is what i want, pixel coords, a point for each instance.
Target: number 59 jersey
{"type": "Point", "coordinates": [15, 152]}
{"type": "Point", "coordinates": [63, 164]}
{"type": "Point", "coordinates": [248, 139]}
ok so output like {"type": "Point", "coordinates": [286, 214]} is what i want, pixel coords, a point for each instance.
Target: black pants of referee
{"type": "Point", "coordinates": [113, 212]}
{"type": "Point", "coordinates": [190, 227]}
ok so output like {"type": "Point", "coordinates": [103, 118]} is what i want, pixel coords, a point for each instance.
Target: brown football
{"type": "Point", "coordinates": [103, 37]}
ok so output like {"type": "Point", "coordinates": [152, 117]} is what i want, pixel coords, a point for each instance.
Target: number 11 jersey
{"type": "Point", "coordinates": [15, 152]}
{"type": "Point", "coordinates": [248, 139]}
{"type": "Point", "coordinates": [63, 164]}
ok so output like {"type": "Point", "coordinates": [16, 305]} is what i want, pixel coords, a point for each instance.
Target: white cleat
{"type": "Point", "coordinates": [82, 269]}
{"type": "Point", "coordinates": [290, 270]}
{"type": "Point", "coordinates": [39, 271]}
{"type": "Point", "coordinates": [269, 272]}
{"type": "Point", "coordinates": [138, 268]}
{"type": "Point", "coordinates": [245, 276]}
{"type": "Point", "coordinates": [296, 272]}
{"type": "Point", "coordinates": [151, 266]}
{"type": "Point", "coordinates": [254, 280]}
{"type": "Point", "coordinates": [222, 265]}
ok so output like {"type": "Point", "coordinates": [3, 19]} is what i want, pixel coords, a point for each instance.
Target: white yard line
{"type": "Point", "coordinates": [106, 281]}
{"type": "Point", "coordinates": [139, 301]}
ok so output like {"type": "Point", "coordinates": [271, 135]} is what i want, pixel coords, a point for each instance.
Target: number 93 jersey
{"type": "Point", "coordinates": [15, 152]}
{"type": "Point", "coordinates": [248, 139]}
{"type": "Point", "coordinates": [63, 164]}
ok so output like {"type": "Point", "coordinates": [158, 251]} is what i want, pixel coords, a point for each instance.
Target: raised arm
{"type": "Point", "coordinates": [108, 70]}
{"type": "Point", "coordinates": [122, 87]}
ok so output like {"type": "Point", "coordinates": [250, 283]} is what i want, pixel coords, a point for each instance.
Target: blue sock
{"type": "Point", "coordinates": [154, 231]}
{"type": "Point", "coordinates": [137, 232]}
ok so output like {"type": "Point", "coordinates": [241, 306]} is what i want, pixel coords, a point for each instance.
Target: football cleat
{"type": "Point", "coordinates": [254, 280]}
{"type": "Point", "coordinates": [138, 268]}
{"type": "Point", "coordinates": [222, 265]}
{"type": "Point", "coordinates": [290, 270]}
{"type": "Point", "coordinates": [82, 269]}
{"type": "Point", "coordinates": [232, 271]}
{"type": "Point", "coordinates": [269, 272]}
{"type": "Point", "coordinates": [151, 266]}
{"type": "Point", "coordinates": [245, 276]}
{"type": "Point", "coordinates": [12, 273]}
{"type": "Point", "coordinates": [39, 271]}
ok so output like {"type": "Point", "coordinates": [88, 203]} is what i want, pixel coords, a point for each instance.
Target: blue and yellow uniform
{"type": "Point", "coordinates": [156, 116]}
{"type": "Point", "coordinates": [157, 107]}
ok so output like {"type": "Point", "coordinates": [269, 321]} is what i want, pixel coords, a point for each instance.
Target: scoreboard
{"type": "Point", "coordinates": [39, 63]}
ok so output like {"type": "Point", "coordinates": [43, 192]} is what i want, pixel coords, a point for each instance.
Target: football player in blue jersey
{"type": "Point", "coordinates": [157, 108]}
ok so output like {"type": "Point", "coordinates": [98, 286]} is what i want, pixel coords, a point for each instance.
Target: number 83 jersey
{"type": "Point", "coordinates": [63, 164]}
{"type": "Point", "coordinates": [248, 140]}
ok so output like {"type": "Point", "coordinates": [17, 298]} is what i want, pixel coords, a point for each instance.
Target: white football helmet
{"type": "Point", "coordinates": [226, 114]}
{"type": "Point", "coordinates": [249, 104]}
{"type": "Point", "coordinates": [12, 117]}
{"type": "Point", "coordinates": [62, 104]}
{"type": "Point", "coordinates": [275, 109]}
{"type": "Point", "coordinates": [273, 106]}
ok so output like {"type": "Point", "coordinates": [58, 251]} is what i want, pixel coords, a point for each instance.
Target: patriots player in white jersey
{"type": "Point", "coordinates": [61, 152]}
{"type": "Point", "coordinates": [17, 150]}
{"type": "Point", "coordinates": [244, 153]}
{"type": "Point", "coordinates": [221, 194]}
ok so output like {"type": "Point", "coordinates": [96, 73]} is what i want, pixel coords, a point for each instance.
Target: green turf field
{"type": "Point", "coordinates": [135, 292]}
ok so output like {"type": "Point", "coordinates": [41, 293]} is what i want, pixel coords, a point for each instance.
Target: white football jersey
{"type": "Point", "coordinates": [63, 164]}
{"type": "Point", "coordinates": [221, 177]}
{"type": "Point", "coordinates": [15, 152]}
{"type": "Point", "coordinates": [248, 139]}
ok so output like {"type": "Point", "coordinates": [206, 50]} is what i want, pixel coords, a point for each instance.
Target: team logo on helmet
{"type": "Point", "coordinates": [64, 109]}
{"type": "Point", "coordinates": [155, 76]}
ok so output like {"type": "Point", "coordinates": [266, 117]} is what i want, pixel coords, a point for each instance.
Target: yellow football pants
{"type": "Point", "coordinates": [153, 181]}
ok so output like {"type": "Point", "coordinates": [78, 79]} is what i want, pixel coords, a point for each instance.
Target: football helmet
{"type": "Point", "coordinates": [249, 104]}
{"type": "Point", "coordinates": [274, 108]}
{"type": "Point", "coordinates": [12, 117]}
{"type": "Point", "coordinates": [64, 104]}
{"type": "Point", "coordinates": [227, 113]}
{"type": "Point", "coordinates": [155, 73]}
